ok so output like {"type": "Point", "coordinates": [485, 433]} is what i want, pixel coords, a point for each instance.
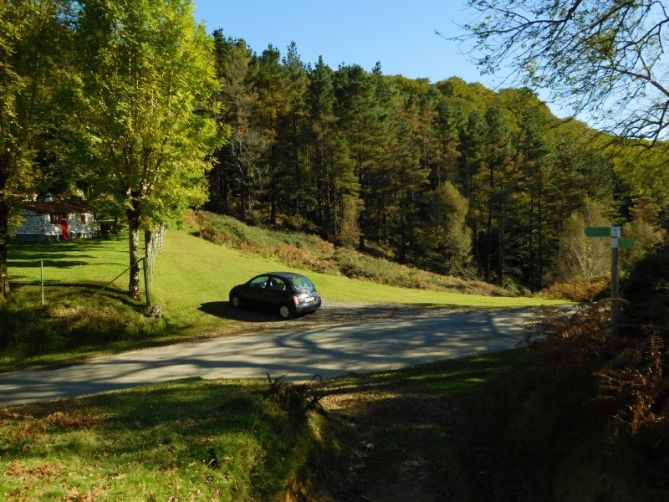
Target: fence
{"type": "Point", "coordinates": [44, 264]}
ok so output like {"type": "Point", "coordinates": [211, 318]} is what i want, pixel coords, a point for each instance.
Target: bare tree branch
{"type": "Point", "coordinates": [603, 56]}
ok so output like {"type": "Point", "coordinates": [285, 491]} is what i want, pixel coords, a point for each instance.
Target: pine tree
{"type": "Point", "coordinates": [294, 177]}
{"type": "Point", "coordinates": [472, 163]}
{"type": "Point", "coordinates": [337, 187]}
{"type": "Point", "coordinates": [498, 163]}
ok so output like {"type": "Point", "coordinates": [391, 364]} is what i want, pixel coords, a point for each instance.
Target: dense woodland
{"type": "Point", "coordinates": [133, 107]}
{"type": "Point", "coordinates": [450, 176]}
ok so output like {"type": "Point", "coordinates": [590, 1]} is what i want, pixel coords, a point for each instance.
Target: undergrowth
{"type": "Point", "coordinates": [588, 415]}
{"type": "Point", "coordinates": [296, 398]}
{"type": "Point", "coordinates": [578, 289]}
{"type": "Point", "coordinates": [313, 253]}
{"type": "Point", "coordinates": [74, 322]}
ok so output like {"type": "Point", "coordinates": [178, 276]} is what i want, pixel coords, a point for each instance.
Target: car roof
{"type": "Point", "coordinates": [284, 275]}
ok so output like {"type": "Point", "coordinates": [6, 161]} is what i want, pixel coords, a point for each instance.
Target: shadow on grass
{"type": "Point", "coordinates": [46, 263]}
{"type": "Point", "coordinates": [23, 250]}
{"type": "Point", "coordinates": [78, 320]}
{"type": "Point", "coordinates": [403, 432]}
{"type": "Point", "coordinates": [91, 291]}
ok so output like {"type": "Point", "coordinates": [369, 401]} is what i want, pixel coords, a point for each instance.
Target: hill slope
{"type": "Point", "coordinates": [191, 272]}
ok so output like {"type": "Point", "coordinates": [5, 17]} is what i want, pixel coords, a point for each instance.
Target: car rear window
{"type": "Point", "coordinates": [302, 284]}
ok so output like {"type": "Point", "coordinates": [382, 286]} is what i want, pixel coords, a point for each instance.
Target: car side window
{"type": "Point", "coordinates": [258, 282]}
{"type": "Point", "coordinates": [276, 284]}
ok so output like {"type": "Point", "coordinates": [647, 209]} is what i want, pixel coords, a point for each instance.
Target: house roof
{"type": "Point", "coordinates": [56, 207]}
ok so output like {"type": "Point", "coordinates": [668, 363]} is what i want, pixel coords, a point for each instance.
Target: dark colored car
{"type": "Point", "coordinates": [286, 292]}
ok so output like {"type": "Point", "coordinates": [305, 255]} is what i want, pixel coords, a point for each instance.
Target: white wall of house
{"type": "Point", "coordinates": [38, 226]}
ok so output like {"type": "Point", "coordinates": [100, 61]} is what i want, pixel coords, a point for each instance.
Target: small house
{"type": "Point", "coordinates": [50, 220]}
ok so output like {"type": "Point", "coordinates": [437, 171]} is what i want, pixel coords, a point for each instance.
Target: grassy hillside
{"type": "Point", "coordinates": [192, 280]}
{"type": "Point", "coordinates": [191, 272]}
{"type": "Point", "coordinates": [310, 252]}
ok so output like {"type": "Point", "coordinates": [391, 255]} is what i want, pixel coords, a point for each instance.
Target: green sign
{"type": "Point", "coordinates": [626, 243]}
{"type": "Point", "coordinates": [598, 232]}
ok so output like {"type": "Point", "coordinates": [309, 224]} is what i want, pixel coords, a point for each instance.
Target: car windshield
{"type": "Point", "coordinates": [301, 283]}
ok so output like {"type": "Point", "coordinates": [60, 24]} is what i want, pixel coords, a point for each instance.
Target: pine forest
{"type": "Point", "coordinates": [448, 176]}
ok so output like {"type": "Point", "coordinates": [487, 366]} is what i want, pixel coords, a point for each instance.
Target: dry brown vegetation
{"type": "Point", "coordinates": [578, 289]}
{"type": "Point", "coordinates": [588, 415]}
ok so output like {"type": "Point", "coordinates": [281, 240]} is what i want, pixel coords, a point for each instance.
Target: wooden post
{"type": "Point", "coordinates": [615, 279]}
{"type": "Point", "coordinates": [147, 281]}
{"type": "Point", "coordinates": [41, 265]}
{"type": "Point", "coordinates": [148, 265]}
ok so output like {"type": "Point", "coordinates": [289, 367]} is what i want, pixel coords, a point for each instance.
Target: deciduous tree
{"type": "Point", "coordinates": [148, 81]}
{"type": "Point", "coordinates": [33, 54]}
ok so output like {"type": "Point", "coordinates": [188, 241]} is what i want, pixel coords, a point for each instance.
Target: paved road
{"type": "Point", "coordinates": [300, 353]}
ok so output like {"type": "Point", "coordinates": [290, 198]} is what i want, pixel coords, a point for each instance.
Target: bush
{"type": "Point", "coordinates": [578, 289]}
{"type": "Point", "coordinates": [646, 289]}
{"type": "Point", "coordinates": [297, 399]}
{"type": "Point", "coordinates": [589, 398]}
{"type": "Point", "coordinates": [585, 414]}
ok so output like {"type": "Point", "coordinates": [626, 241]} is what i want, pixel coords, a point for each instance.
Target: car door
{"type": "Point", "coordinates": [276, 291]}
{"type": "Point", "coordinates": [254, 291]}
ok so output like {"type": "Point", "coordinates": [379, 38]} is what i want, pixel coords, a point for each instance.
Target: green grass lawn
{"type": "Point", "coordinates": [191, 272]}
{"type": "Point", "coordinates": [191, 283]}
{"type": "Point", "coordinates": [191, 440]}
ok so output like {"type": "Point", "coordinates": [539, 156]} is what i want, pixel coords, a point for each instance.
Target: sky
{"type": "Point", "coordinates": [398, 33]}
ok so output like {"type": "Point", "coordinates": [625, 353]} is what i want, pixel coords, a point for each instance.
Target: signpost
{"type": "Point", "coordinates": [617, 242]}
{"type": "Point", "coordinates": [598, 232]}
{"type": "Point", "coordinates": [626, 243]}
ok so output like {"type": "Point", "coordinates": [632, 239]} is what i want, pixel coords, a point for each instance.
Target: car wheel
{"type": "Point", "coordinates": [236, 301]}
{"type": "Point", "coordinates": [284, 312]}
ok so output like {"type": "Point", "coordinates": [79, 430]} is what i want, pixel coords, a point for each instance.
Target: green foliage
{"type": "Point", "coordinates": [33, 36]}
{"type": "Point", "coordinates": [148, 80]}
{"type": "Point", "coordinates": [348, 231]}
{"type": "Point", "coordinates": [446, 238]}
{"type": "Point", "coordinates": [582, 256]}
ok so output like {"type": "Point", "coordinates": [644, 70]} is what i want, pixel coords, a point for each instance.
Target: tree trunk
{"type": "Point", "coordinates": [4, 240]}
{"type": "Point", "coordinates": [540, 216]}
{"type": "Point", "coordinates": [489, 236]}
{"type": "Point", "coordinates": [133, 216]}
{"type": "Point", "coordinates": [501, 243]}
